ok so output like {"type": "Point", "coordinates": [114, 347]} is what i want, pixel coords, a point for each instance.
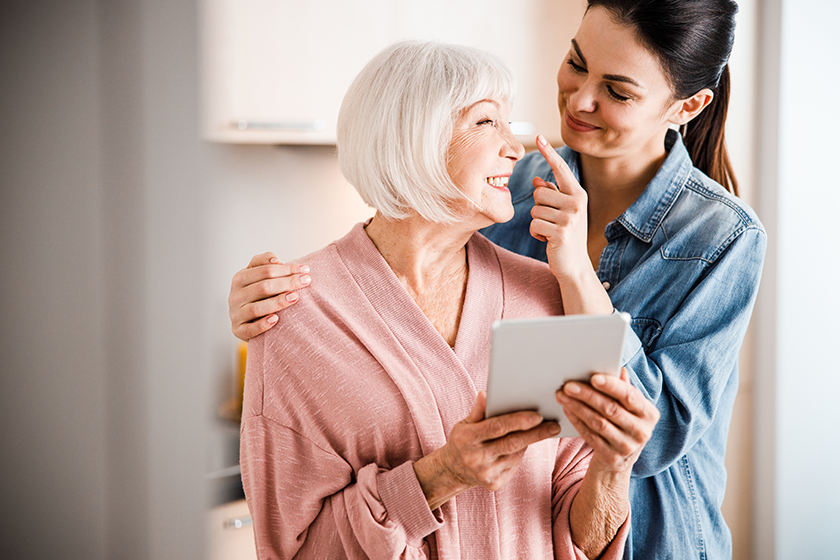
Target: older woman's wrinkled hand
{"type": "Point", "coordinates": [616, 420]}
{"type": "Point", "coordinates": [480, 452]}
{"type": "Point", "coordinates": [613, 416]}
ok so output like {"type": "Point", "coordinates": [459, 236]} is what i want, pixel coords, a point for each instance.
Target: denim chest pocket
{"type": "Point", "coordinates": [648, 331]}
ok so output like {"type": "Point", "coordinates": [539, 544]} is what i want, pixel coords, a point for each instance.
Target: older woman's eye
{"type": "Point", "coordinates": [486, 121]}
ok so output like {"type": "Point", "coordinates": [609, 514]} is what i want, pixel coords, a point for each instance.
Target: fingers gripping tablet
{"type": "Point", "coordinates": [530, 359]}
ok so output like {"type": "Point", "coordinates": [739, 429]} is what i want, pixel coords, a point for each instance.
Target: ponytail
{"type": "Point", "coordinates": [704, 138]}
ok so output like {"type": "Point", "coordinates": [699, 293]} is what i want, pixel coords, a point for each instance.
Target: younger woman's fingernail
{"type": "Point", "coordinates": [292, 297]}
{"type": "Point", "coordinates": [305, 279]}
{"type": "Point", "coordinates": [274, 260]}
{"type": "Point", "coordinates": [272, 319]}
{"type": "Point", "coordinates": [541, 141]}
{"type": "Point", "coordinates": [304, 269]}
{"type": "Point", "coordinates": [572, 388]}
{"type": "Point", "coordinates": [598, 380]}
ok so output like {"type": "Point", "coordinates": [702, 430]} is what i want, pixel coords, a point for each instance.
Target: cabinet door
{"type": "Point", "coordinates": [230, 532]}
{"type": "Point", "coordinates": [275, 71]}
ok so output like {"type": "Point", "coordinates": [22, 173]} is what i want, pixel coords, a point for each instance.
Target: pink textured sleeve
{"type": "Point", "coordinates": [307, 503]}
{"type": "Point", "coordinates": [572, 461]}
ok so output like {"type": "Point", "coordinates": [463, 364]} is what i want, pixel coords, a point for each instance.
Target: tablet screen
{"type": "Point", "coordinates": [530, 359]}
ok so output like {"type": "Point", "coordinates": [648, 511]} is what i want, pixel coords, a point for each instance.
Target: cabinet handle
{"type": "Point", "coordinates": [238, 522]}
{"type": "Point", "coordinates": [245, 124]}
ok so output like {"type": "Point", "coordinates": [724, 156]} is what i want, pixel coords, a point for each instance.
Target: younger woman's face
{"type": "Point", "coordinates": [614, 98]}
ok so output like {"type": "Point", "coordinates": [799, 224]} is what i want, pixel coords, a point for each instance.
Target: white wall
{"type": "Point", "coordinates": [119, 231]}
{"type": "Point", "coordinates": [52, 442]}
{"type": "Point", "coordinates": [797, 489]}
{"type": "Point", "coordinates": [740, 140]}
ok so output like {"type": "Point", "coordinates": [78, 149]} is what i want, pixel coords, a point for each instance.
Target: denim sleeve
{"type": "Point", "coordinates": [689, 369]}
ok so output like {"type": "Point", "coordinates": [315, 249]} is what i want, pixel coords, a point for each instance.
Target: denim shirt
{"type": "Point", "coordinates": [684, 260]}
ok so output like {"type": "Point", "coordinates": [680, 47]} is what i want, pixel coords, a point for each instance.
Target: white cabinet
{"type": "Point", "coordinates": [275, 71]}
{"type": "Point", "coordinates": [230, 532]}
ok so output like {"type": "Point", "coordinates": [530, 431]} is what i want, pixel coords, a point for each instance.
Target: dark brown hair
{"type": "Point", "coordinates": [692, 40]}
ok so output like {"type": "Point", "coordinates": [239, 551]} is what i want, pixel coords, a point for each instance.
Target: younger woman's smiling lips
{"type": "Point", "coordinates": [576, 125]}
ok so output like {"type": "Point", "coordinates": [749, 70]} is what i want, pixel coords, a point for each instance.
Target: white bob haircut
{"type": "Point", "coordinates": [396, 120]}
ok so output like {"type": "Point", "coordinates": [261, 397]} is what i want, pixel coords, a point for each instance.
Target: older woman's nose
{"type": "Point", "coordinates": [512, 147]}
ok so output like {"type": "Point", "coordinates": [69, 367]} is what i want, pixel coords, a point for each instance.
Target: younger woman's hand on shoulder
{"type": "Point", "coordinates": [260, 290]}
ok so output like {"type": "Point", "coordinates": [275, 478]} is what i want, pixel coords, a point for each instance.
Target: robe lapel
{"type": "Point", "coordinates": [439, 384]}
{"type": "Point", "coordinates": [483, 304]}
{"type": "Point", "coordinates": [454, 377]}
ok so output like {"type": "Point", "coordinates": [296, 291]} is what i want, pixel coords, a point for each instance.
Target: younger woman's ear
{"type": "Point", "coordinates": [686, 109]}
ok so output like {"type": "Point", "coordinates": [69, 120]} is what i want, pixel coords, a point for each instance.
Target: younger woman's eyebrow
{"type": "Point", "coordinates": [577, 50]}
{"type": "Point", "coordinates": [610, 77]}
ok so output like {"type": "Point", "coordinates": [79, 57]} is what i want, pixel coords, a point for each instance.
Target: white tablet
{"type": "Point", "coordinates": [530, 359]}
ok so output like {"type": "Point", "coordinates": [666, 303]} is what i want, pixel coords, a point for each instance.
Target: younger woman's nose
{"type": "Point", "coordinates": [582, 99]}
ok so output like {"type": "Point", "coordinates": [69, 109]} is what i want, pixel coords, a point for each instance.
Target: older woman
{"type": "Point", "coordinates": [363, 430]}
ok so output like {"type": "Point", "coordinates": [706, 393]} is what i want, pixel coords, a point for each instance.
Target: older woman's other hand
{"type": "Point", "coordinates": [260, 290]}
{"type": "Point", "coordinates": [480, 452]}
{"type": "Point", "coordinates": [614, 418]}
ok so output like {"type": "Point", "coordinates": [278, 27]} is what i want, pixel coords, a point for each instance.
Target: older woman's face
{"type": "Point", "coordinates": [481, 158]}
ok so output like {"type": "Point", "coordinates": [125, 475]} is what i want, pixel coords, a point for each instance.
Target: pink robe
{"type": "Point", "coordinates": [354, 384]}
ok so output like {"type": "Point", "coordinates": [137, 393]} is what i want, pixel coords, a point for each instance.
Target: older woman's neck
{"type": "Point", "coordinates": [418, 250]}
{"type": "Point", "coordinates": [430, 260]}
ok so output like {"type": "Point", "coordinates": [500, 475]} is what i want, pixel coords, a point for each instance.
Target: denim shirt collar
{"type": "Point", "coordinates": [645, 215]}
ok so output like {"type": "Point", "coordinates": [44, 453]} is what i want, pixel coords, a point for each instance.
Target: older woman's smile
{"type": "Point", "coordinates": [500, 181]}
